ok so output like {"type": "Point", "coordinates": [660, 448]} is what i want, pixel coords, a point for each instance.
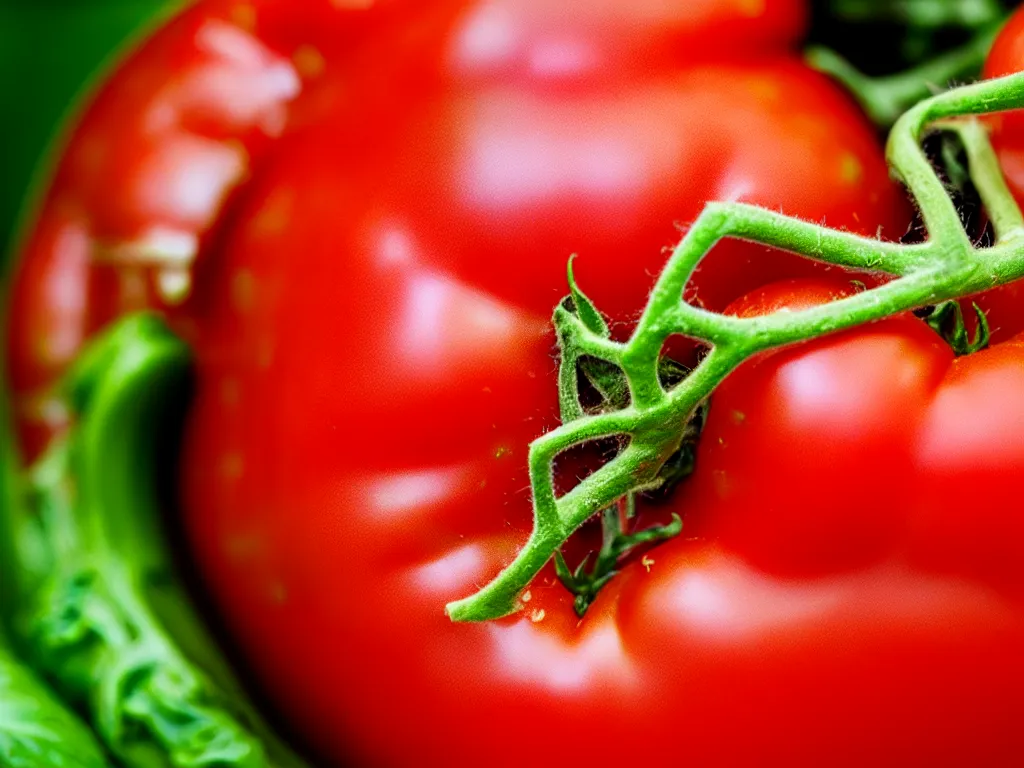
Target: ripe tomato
{"type": "Point", "coordinates": [360, 217]}
{"type": "Point", "coordinates": [1007, 129]}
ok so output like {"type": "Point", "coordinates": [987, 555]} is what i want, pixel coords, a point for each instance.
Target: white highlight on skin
{"type": "Point", "coordinates": [547, 660]}
{"type": "Point", "coordinates": [452, 572]}
{"type": "Point", "coordinates": [414, 489]}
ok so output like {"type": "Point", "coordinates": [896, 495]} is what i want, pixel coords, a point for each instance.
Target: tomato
{"type": "Point", "coordinates": [1007, 129]}
{"type": "Point", "coordinates": [359, 214]}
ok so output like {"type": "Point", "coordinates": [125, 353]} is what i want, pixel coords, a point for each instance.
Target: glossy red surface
{"type": "Point", "coordinates": [361, 217]}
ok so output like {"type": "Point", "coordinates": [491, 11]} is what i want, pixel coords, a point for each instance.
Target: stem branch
{"type": "Point", "coordinates": [945, 267]}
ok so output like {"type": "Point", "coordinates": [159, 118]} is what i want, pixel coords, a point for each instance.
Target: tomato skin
{"type": "Point", "coordinates": [370, 310]}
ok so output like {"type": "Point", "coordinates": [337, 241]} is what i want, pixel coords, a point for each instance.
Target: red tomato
{"type": "Point", "coordinates": [1005, 58]}
{"type": "Point", "coordinates": [370, 210]}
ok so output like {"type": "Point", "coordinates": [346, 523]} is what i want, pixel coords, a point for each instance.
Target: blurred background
{"type": "Point", "coordinates": [49, 51]}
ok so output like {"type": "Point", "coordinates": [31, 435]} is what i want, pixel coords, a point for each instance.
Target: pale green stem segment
{"type": "Point", "coordinates": [945, 267]}
{"type": "Point", "coordinates": [1002, 209]}
{"type": "Point", "coordinates": [886, 98]}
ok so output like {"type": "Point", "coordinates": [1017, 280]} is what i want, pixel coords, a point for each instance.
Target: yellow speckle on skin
{"type": "Point", "coordinates": [243, 290]}
{"type": "Point", "coordinates": [647, 562]}
{"type": "Point", "coordinates": [502, 451]}
{"type": "Point", "coordinates": [764, 89]}
{"type": "Point", "coordinates": [244, 15]}
{"type": "Point", "coordinates": [309, 62]}
{"type": "Point", "coordinates": [850, 169]}
{"type": "Point", "coordinates": [231, 466]}
{"type": "Point", "coordinates": [527, 596]}
{"type": "Point", "coordinates": [738, 417]}
{"type": "Point", "coordinates": [537, 616]}
{"type": "Point", "coordinates": [243, 547]}
{"type": "Point", "coordinates": [272, 217]}
{"type": "Point", "coordinates": [751, 8]}
{"type": "Point", "coordinates": [349, 5]}
{"type": "Point", "coordinates": [278, 593]}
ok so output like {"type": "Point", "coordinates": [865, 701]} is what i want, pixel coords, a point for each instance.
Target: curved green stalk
{"type": "Point", "coordinates": [99, 609]}
{"type": "Point", "coordinates": [655, 421]}
{"type": "Point", "coordinates": [886, 98]}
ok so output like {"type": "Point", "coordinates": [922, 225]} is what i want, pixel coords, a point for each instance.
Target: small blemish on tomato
{"type": "Point", "coordinates": [230, 392]}
{"type": "Point", "coordinates": [537, 615]}
{"type": "Point", "coordinates": [244, 16]}
{"type": "Point", "coordinates": [527, 596]}
{"type": "Point", "coordinates": [309, 62]}
{"type": "Point", "coordinates": [722, 483]}
{"type": "Point", "coordinates": [647, 562]}
{"type": "Point", "coordinates": [272, 217]}
{"type": "Point", "coordinates": [232, 465]}
{"type": "Point", "coordinates": [750, 8]}
{"type": "Point", "coordinates": [264, 354]}
{"type": "Point", "coordinates": [243, 290]}
{"type": "Point", "coordinates": [502, 451]}
{"type": "Point", "coordinates": [851, 171]}
{"type": "Point", "coordinates": [278, 593]}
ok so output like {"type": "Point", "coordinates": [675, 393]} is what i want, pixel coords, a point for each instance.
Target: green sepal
{"type": "Point", "coordinates": [947, 320]}
{"type": "Point", "coordinates": [618, 545]}
{"type": "Point", "coordinates": [584, 307]}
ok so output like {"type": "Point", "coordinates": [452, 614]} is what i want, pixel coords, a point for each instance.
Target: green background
{"type": "Point", "coordinates": [49, 51]}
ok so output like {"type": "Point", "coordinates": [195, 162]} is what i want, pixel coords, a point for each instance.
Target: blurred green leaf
{"type": "Point", "coordinates": [49, 51]}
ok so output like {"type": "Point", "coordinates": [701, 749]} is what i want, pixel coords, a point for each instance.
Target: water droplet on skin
{"type": "Point", "coordinates": [174, 285]}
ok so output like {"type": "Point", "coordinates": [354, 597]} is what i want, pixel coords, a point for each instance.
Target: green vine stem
{"type": "Point", "coordinates": [886, 98]}
{"type": "Point", "coordinates": [653, 424]}
{"type": "Point", "coordinates": [98, 607]}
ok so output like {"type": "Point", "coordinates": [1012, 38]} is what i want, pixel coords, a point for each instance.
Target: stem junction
{"type": "Point", "coordinates": [652, 424]}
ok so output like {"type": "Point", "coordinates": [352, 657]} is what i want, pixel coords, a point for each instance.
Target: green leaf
{"type": "Point", "coordinates": [103, 614]}
{"type": "Point", "coordinates": [36, 731]}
